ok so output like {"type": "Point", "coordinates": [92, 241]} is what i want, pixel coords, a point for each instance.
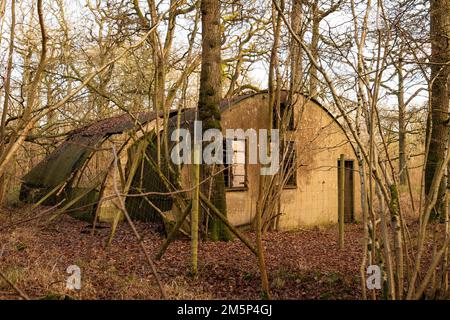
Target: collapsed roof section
{"type": "Point", "coordinates": [55, 171]}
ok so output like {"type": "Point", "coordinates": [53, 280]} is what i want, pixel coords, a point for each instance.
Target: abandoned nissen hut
{"type": "Point", "coordinates": [109, 158]}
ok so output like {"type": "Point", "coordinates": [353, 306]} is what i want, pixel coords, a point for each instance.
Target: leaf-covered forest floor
{"type": "Point", "coordinates": [305, 264]}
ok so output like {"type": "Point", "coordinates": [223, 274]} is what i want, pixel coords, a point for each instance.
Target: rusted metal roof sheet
{"type": "Point", "coordinates": [73, 152]}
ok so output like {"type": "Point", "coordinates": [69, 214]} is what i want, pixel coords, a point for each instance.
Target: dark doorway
{"type": "Point", "coordinates": [348, 191]}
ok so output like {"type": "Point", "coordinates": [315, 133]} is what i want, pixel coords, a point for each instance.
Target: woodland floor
{"type": "Point", "coordinates": [304, 264]}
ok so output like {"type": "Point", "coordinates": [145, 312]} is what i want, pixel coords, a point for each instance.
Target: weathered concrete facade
{"type": "Point", "coordinates": [319, 141]}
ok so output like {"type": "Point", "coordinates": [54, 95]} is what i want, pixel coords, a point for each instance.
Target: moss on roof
{"type": "Point", "coordinates": [72, 153]}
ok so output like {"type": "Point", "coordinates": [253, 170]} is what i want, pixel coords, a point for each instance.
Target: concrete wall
{"type": "Point", "coordinates": [319, 142]}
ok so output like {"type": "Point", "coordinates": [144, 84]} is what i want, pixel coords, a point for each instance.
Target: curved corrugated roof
{"type": "Point", "coordinates": [72, 153]}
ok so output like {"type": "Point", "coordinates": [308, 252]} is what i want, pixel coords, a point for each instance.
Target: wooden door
{"type": "Point", "coordinates": [348, 191]}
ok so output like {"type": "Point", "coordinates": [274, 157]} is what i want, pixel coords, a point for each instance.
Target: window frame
{"type": "Point", "coordinates": [228, 167]}
{"type": "Point", "coordinates": [290, 126]}
{"type": "Point", "coordinates": [288, 185]}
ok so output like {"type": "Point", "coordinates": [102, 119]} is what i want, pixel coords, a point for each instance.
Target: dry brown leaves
{"type": "Point", "coordinates": [305, 264]}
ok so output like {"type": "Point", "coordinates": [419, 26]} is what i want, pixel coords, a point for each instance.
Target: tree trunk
{"type": "Point", "coordinates": [7, 92]}
{"type": "Point", "coordinates": [208, 106]}
{"type": "Point", "coordinates": [313, 81]}
{"type": "Point", "coordinates": [265, 290]}
{"type": "Point", "coordinates": [401, 122]}
{"type": "Point", "coordinates": [195, 209]}
{"type": "Point", "coordinates": [440, 57]}
{"type": "Point", "coordinates": [296, 52]}
{"type": "Point", "coordinates": [341, 200]}
{"type": "Point", "coordinates": [398, 241]}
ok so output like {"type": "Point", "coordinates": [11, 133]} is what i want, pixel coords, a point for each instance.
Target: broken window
{"type": "Point", "coordinates": [235, 164]}
{"type": "Point", "coordinates": [289, 164]}
{"type": "Point", "coordinates": [284, 115]}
